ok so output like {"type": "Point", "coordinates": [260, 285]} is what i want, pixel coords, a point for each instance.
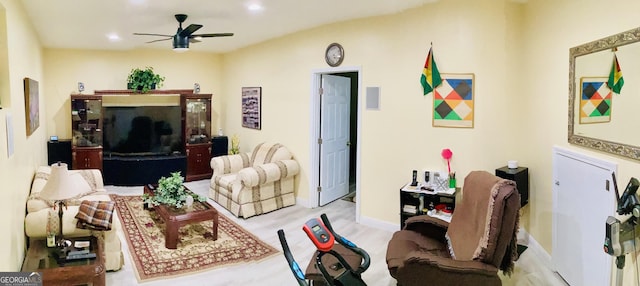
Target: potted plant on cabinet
{"type": "Point", "coordinates": [144, 80]}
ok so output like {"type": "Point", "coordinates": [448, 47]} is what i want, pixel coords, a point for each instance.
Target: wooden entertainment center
{"type": "Point", "coordinates": [145, 160]}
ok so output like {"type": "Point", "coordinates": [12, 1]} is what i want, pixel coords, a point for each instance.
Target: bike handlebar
{"type": "Point", "coordinates": [350, 245]}
{"type": "Point", "coordinates": [293, 265]}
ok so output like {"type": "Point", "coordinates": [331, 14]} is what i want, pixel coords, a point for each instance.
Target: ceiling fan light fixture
{"type": "Point", "coordinates": [180, 44]}
{"type": "Point", "coordinates": [183, 37]}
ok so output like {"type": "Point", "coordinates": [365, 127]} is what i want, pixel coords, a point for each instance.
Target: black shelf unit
{"type": "Point", "coordinates": [423, 202]}
{"type": "Point", "coordinates": [521, 176]}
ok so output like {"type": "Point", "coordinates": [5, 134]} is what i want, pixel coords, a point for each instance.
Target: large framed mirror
{"type": "Point", "coordinates": [611, 125]}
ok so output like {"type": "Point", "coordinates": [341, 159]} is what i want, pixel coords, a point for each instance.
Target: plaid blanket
{"type": "Point", "coordinates": [95, 215]}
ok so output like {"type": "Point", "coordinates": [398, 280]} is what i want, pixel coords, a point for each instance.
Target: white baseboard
{"type": "Point", "coordinates": [526, 239]}
{"type": "Point", "coordinates": [384, 225]}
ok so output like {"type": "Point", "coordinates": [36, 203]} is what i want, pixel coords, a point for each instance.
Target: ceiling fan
{"type": "Point", "coordinates": [183, 37]}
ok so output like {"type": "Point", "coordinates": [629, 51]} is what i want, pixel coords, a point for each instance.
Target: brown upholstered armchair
{"type": "Point", "coordinates": [479, 240]}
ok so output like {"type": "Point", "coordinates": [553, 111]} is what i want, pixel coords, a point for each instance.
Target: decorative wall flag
{"type": "Point", "coordinates": [616, 81]}
{"type": "Point", "coordinates": [430, 78]}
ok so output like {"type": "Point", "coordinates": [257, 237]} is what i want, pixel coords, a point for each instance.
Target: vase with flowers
{"type": "Point", "coordinates": [235, 144]}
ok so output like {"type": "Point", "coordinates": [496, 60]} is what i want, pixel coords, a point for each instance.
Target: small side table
{"type": "Point", "coordinates": [40, 258]}
{"type": "Point", "coordinates": [521, 176]}
{"type": "Point", "coordinates": [414, 201]}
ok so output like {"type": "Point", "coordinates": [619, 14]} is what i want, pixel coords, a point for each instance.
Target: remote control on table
{"type": "Point", "coordinates": [76, 252]}
{"type": "Point", "coordinates": [81, 256]}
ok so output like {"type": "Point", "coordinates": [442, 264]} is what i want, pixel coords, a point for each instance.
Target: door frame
{"type": "Point", "coordinates": [314, 132]}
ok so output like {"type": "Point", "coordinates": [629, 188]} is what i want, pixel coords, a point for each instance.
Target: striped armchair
{"type": "Point", "coordinates": [254, 183]}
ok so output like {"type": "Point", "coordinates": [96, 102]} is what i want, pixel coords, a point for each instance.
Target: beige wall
{"type": "Point", "coordinates": [566, 24]}
{"type": "Point", "coordinates": [390, 51]}
{"type": "Point", "coordinates": [518, 53]}
{"type": "Point", "coordinates": [16, 171]}
{"type": "Point", "coordinates": [100, 70]}
{"type": "Point", "coordinates": [520, 64]}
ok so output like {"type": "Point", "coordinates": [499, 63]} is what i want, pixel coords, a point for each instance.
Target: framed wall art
{"type": "Point", "coordinates": [252, 107]}
{"type": "Point", "coordinates": [31, 105]}
{"type": "Point", "coordinates": [595, 100]}
{"type": "Point", "coordinates": [453, 101]}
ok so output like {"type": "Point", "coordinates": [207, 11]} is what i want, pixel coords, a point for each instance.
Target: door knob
{"type": "Point", "coordinates": [348, 143]}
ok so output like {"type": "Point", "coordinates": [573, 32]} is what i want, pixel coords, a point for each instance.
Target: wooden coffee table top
{"type": "Point", "coordinates": [41, 258]}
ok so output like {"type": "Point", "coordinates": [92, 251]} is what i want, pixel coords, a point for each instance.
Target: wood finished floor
{"type": "Point", "coordinates": [530, 270]}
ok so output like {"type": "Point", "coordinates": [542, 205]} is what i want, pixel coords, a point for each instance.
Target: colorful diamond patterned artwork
{"type": "Point", "coordinates": [595, 100]}
{"type": "Point", "coordinates": [453, 101]}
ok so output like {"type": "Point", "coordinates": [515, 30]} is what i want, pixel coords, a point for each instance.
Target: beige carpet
{"type": "Point", "coordinates": [196, 250]}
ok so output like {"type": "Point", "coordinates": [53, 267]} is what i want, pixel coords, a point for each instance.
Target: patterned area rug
{"type": "Point", "coordinates": [196, 250]}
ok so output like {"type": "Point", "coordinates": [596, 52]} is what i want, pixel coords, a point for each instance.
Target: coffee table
{"type": "Point", "coordinates": [41, 258]}
{"type": "Point", "coordinates": [174, 217]}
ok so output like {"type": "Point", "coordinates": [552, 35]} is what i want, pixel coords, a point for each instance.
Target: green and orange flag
{"type": "Point", "coordinates": [430, 78]}
{"type": "Point", "coordinates": [616, 81]}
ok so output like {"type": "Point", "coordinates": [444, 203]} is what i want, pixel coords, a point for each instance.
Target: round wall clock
{"type": "Point", "coordinates": [334, 54]}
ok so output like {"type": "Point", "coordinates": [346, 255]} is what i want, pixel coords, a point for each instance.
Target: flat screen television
{"type": "Point", "coordinates": [142, 130]}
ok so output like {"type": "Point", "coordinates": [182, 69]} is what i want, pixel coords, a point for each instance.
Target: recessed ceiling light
{"type": "Point", "coordinates": [254, 7]}
{"type": "Point", "coordinates": [113, 37]}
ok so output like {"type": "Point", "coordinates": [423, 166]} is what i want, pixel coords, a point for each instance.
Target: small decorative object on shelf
{"type": "Point", "coordinates": [235, 144]}
{"type": "Point", "coordinates": [51, 236]}
{"type": "Point", "coordinates": [171, 191]}
{"type": "Point", "coordinates": [144, 80]}
{"type": "Point", "coordinates": [452, 180]}
{"type": "Point", "coordinates": [196, 88]}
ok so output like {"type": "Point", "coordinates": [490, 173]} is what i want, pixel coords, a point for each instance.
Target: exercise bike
{"type": "Point", "coordinates": [345, 260]}
{"type": "Point", "coordinates": [620, 236]}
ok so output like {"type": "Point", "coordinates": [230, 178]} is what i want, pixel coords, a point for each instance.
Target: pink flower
{"type": "Point", "coordinates": [447, 154]}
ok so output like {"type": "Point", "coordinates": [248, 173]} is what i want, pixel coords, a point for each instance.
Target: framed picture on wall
{"type": "Point", "coordinates": [251, 107]}
{"type": "Point", "coordinates": [595, 100]}
{"type": "Point", "coordinates": [31, 105]}
{"type": "Point", "coordinates": [453, 101]}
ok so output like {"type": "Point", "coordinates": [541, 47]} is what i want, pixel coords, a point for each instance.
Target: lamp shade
{"type": "Point", "coordinates": [63, 185]}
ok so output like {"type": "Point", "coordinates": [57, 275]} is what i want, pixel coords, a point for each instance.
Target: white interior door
{"type": "Point", "coordinates": [334, 132]}
{"type": "Point", "coordinates": [582, 202]}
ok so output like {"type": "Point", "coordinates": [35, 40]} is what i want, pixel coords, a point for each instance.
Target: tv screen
{"type": "Point", "coordinates": [142, 130]}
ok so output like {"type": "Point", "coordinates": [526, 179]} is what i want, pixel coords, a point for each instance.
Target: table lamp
{"type": "Point", "coordinates": [60, 187]}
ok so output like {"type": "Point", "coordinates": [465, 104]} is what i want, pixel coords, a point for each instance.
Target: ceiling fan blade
{"type": "Point", "coordinates": [211, 35]}
{"type": "Point", "coordinates": [194, 40]}
{"type": "Point", "coordinates": [160, 40]}
{"type": "Point", "coordinates": [189, 30]}
{"type": "Point", "coordinates": [146, 34]}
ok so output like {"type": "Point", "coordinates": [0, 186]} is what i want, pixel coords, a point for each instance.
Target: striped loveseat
{"type": "Point", "coordinates": [254, 183]}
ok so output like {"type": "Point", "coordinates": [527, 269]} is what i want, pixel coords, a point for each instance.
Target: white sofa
{"type": "Point", "coordinates": [40, 214]}
{"type": "Point", "coordinates": [249, 184]}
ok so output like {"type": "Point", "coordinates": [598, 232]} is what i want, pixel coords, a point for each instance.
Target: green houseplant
{"type": "Point", "coordinates": [144, 80]}
{"type": "Point", "coordinates": [171, 191]}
